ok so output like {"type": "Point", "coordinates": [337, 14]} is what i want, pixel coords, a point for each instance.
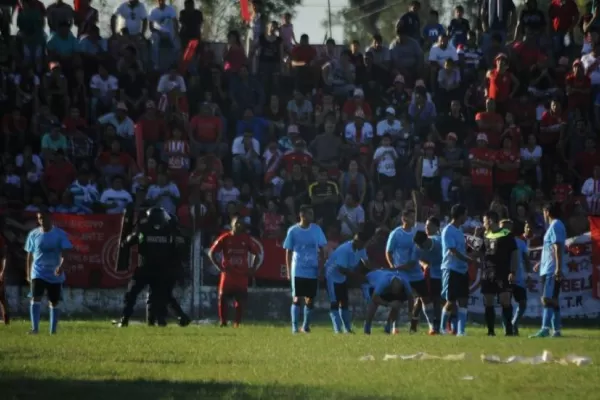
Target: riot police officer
{"type": "Point", "coordinates": [157, 250]}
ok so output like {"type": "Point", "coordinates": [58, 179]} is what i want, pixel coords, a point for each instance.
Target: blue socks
{"type": "Point", "coordinates": [336, 320]}
{"type": "Point", "coordinates": [295, 312]}
{"type": "Point", "coordinates": [306, 324]}
{"type": "Point", "coordinates": [556, 319]}
{"type": "Point", "coordinates": [34, 313]}
{"type": "Point", "coordinates": [444, 321]}
{"type": "Point", "coordinates": [547, 317]}
{"type": "Point", "coordinates": [346, 319]}
{"type": "Point", "coordinates": [54, 314]}
{"type": "Point", "coordinates": [461, 321]}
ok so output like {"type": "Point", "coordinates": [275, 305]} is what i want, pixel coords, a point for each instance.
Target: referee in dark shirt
{"type": "Point", "coordinates": [501, 259]}
{"type": "Point", "coordinates": [324, 197]}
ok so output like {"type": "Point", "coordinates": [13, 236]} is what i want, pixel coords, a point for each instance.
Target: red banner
{"type": "Point", "coordinates": [595, 237]}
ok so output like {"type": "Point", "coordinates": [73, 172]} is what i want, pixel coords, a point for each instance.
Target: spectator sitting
{"type": "Point", "coordinates": [163, 194]}
{"type": "Point", "coordinates": [259, 127]}
{"type": "Point", "coordinates": [59, 172]}
{"type": "Point", "coordinates": [246, 93]}
{"type": "Point", "coordinates": [115, 198]}
{"type": "Point", "coordinates": [120, 121]}
{"type": "Point", "coordinates": [84, 192]}
{"type": "Point", "coordinates": [62, 44]}
{"type": "Point", "coordinates": [68, 207]}
{"type": "Point", "coordinates": [246, 158]}
{"type": "Point", "coordinates": [30, 21]}
{"type": "Point", "coordinates": [104, 91]}
{"type": "Point", "coordinates": [53, 141]}
{"type": "Point", "coordinates": [351, 216]}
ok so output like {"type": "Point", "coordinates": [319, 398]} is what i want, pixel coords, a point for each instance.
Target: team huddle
{"type": "Point", "coordinates": [427, 270]}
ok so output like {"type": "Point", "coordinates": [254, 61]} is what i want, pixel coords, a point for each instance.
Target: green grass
{"type": "Point", "coordinates": [93, 360]}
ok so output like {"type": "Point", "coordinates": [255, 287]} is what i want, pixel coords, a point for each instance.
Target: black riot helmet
{"type": "Point", "coordinates": [157, 217]}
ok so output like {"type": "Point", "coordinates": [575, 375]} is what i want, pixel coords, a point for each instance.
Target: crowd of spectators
{"type": "Point", "coordinates": [502, 114]}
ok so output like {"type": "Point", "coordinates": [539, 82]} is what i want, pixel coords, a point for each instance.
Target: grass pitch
{"type": "Point", "coordinates": [94, 360]}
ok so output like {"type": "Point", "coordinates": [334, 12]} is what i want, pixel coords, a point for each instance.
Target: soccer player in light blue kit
{"type": "Point", "coordinates": [429, 253]}
{"type": "Point", "coordinates": [304, 262]}
{"type": "Point", "coordinates": [341, 264]}
{"type": "Point", "coordinates": [388, 289]}
{"type": "Point", "coordinates": [455, 270]}
{"type": "Point", "coordinates": [519, 288]}
{"type": "Point", "coordinates": [45, 246]}
{"type": "Point", "coordinates": [551, 269]}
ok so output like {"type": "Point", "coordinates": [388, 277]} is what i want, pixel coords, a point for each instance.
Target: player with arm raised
{"type": "Point", "coordinates": [551, 269]}
{"type": "Point", "coordinates": [519, 288]}
{"type": "Point", "coordinates": [303, 246]}
{"type": "Point", "coordinates": [342, 264]}
{"type": "Point", "coordinates": [429, 245]}
{"type": "Point", "coordinates": [45, 246]}
{"type": "Point", "coordinates": [501, 262]}
{"type": "Point", "coordinates": [388, 289]}
{"type": "Point", "coordinates": [235, 247]}
{"type": "Point", "coordinates": [455, 270]}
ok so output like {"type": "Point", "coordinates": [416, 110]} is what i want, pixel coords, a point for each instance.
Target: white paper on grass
{"type": "Point", "coordinates": [424, 356]}
{"type": "Point", "coordinates": [544, 358]}
{"type": "Point", "coordinates": [367, 358]}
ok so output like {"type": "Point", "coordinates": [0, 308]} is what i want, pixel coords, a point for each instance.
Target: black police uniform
{"type": "Point", "coordinates": [157, 249]}
{"type": "Point", "coordinates": [498, 248]}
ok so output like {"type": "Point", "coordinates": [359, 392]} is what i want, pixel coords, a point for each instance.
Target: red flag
{"type": "Point", "coordinates": [188, 56]}
{"type": "Point", "coordinates": [245, 9]}
{"type": "Point", "coordinates": [76, 5]}
{"type": "Point", "coordinates": [595, 236]}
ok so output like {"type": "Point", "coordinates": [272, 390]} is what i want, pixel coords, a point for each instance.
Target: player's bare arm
{"type": "Point", "coordinates": [28, 264]}
{"type": "Point", "coordinates": [288, 262]}
{"type": "Point", "coordinates": [557, 250]}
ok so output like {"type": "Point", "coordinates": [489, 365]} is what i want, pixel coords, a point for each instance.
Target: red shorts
{"type": "Point", "coordinates": [233, 284]}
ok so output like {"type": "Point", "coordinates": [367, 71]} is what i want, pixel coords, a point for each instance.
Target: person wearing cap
{"type": "Point", "coordinates": [390, 125]}
{"type": "Point", "coordinates": [120, 120]}
{"type": "Point", "coordinates": [359, 132]}
{"type": "Point", "coordinates": [502, 84]}
{"type": "Point", "coordinates": [491, 123]}
{"type": "Point", "coordinates": [356, 103]}
{"type": "Point", "coordinates": [481, 161]}
{"type": "Point", "coordinates": [578, 88]}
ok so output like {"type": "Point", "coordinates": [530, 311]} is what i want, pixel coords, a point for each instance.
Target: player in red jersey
{"type": "Point", "coordinates": [3, 302]}
{"type": "Point", "coordinates": [235, 247]}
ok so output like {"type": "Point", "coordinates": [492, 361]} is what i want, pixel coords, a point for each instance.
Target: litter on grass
{"type": "Point", "coordinates": [467, 378]}
{"type": "Point", "coordinates": [417, 356]}
{"type": "Point", "coordinates": [545, 358]}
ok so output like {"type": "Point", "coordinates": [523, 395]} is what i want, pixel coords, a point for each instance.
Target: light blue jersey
{"type": "Point", "coordinates": [343, 257]}
{"type": "Point", "coordinates": [453, 238]}
{"type": "Point", "coordinates": [381, 280]}
{"type": "Point", "coordinates": [523, 252]}
{"type": "Point", "coordinates": [46, 249]}
{"type": "Point", "coordinates": [400, 244]}
{"type": "Point", "coordinates": [433, 257]}
{"type": "Point", "coordinates": [556, 234]}
{"type": "Point", "coordinates": [305, 244]}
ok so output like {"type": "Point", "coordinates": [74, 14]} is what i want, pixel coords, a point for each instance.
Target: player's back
{"type": "Point", "coordinates": [555, 234]}
{"type": "Point", "coordinates": [344, 256]}
{"type": "Point", "coordinates": [433, 256]}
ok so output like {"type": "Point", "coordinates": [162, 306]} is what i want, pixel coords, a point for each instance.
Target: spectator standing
{"type": "Point", "coordinates": [164, 28]}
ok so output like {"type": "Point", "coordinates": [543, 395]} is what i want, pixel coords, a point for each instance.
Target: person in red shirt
{"type": "Point", "coordinates": [482, 161]}
{"type": "Point", "coordinates": [303, 58]}
{"type": "Point", "coordinates": [524, 111]}
{"type": "Point", "coordinates": [205, 131]}
{"type": "Point", "coordinates": [562, 191]}
{"type": "Point", "coordinates": [564, 16]}
{"type": "Point", "coordinates": [507, 169]}
{"type": "Point", "coordinates": [298, 155]}
{"type": "Point", "coordinates": [204, 180]}
{"type": "Point", "coordinates": [490, 123]}
{"type": "Point", "coordinates": [356, 103]}
{"type": "Point", "coordinates": [578, 86]}
{"type": "Point", "coordinates": [512, 131]}
{"type": "Point", "coordinates": [551, 137]}
{"type": "Point", "coordinates": [3, 302]}
{"type": "Point", "coordinates": [59, 173]}
{"type": "Point", "coordinates": [502, 85]}
{"type": "Point", "coordinates": [74, 122]}
{"type": "Point", "coordinates": [153, 126]}
{"type": "Point", "coordinates": [235, 247]}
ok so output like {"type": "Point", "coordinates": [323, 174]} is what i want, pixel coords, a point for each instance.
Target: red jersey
{"type": "Point", "coordinates": [553, 123]}
{"type": "Point", "coordinates": [207, 183]}
{"type": "Point", "coordinates": [236, 251]}
{"type": "Point", "coordinates": [561, 192]}
{"type": "Point", "coordinates": [500, 85]}
{"type": "Point", "coordinates": [178, 154]}
{"type": "Point", "coordinates": [491, 124]}
{"type": "Point", "coordinates": [504, 177]}
{"type": "Point", "coordinates": [527, 55]}
{"type": "Point", "coordinates": [578, 100]}
{"type": "Point", "coordinates": [482, 176]}
{"type": "Point", "coordinates": [297, 157]}
{"type": "Point", "coordinates": [350, 108]}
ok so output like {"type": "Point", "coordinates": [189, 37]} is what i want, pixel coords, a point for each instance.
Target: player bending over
{"type": "Point", "coordinates": [388, 289]}
{"type": "Point", "coordinates": [236, 247]}
{"type": "Point", "coordinates": [45, 246]}
{"type": "Point", "coordinates": [455, 270]}
{"type": "Point", "coordinates": [519, 288]}
{"type": "Point", "coordinates": [429, 247]}
{"type": "Point", "coordinates": [501, 261]}
{"type": "Point", "coordinates": [304, 244]}
{"type": "Point", "coordinates": [342, 264]}
{"type": "Point", "coordinates": [551, 269]}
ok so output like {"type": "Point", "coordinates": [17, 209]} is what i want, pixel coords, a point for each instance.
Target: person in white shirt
{"type": "Point", "coordinates": [115, 199]}
{"type": "Point", "coordinates": [104, 90]}
{"type": "Point", "coordinates": [119, 119]}
{"type": "Point", "coordinates": [227, 194]}
{"type": "Point", "coordinates": [351, 216]}
{"type": "Point", "coordinates": [171, 81]}
{"type": "Point", "coordinates": [384, 162]}
{"type": "Point", "coordinates": [591, 64]}
{"type": "Point", "coordinates": [390, 125]}
{"type": "Point", "coordinates": [131, 15]}
{"type": "Point", "coordinates": [164, 28]}
{"type": "Point", "coordinates": [591, 191]}
{"type": "Point", "coordinates": [439, 53]}
{"type": "Point", "coordinates": [360, 131]}
{"type": "Point", "coordinates": [164, 194]}
{"type": "Point", "coordinates": [247, 165]}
